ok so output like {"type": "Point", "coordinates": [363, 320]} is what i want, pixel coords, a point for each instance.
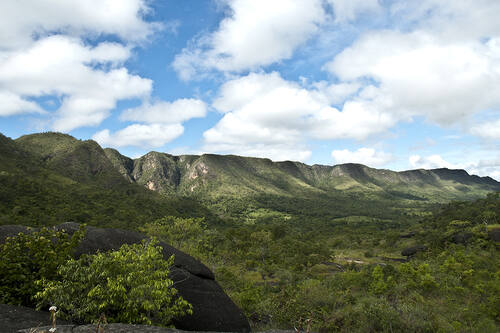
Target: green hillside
{"type": "Point", "coordinates": [236, 186]}
{"type": "Point", "coordinates": [49, 178]}
{"type": "Point", "coordinates": [287, 241]}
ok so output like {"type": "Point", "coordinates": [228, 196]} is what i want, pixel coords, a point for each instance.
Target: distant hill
{"type": "Point", "coordinates": [49, 178]}
{"type": "Point", "coordinates": [55, 177]}
{"type": "Point", "coordinates": [227, 175]}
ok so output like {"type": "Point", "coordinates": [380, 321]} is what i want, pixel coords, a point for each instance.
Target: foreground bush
{"type": "Point", "coordinates": [26, 258]}
{"type": "Point", "coordinates": [130, 285]}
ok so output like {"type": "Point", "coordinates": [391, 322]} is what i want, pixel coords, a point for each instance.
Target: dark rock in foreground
{"type": "Point", "coordinates": [110, 328]}
{"type": "Point", "coordinates": [213, 310]}
{"type": "Point", "coordinates": [14, 318]}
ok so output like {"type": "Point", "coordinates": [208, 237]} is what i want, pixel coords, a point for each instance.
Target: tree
{"type": "Point", "coordinates": [130, 285]}
{"type": "Point", "coordinates": [26, 258]}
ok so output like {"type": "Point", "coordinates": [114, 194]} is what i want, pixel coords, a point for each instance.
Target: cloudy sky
{"type": "Point", "coordinates": [387, 83]}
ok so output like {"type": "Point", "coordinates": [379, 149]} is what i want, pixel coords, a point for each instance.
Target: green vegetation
{"type": "Point", "coordinates": [130, 285]}
{"type": "Point", "coordinates": [27, 258]}
{"type": "Point", "coordinates": [342, 275]}
{"type": "Point", "coordinates": [288, 242]}
{"type": "Point", "coordinates": [39, 189]}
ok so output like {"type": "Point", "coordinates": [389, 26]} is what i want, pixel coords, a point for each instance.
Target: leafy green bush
{"type": "Point", "coordinates": [26, 258]}
{"type": "Point", "coordinates": [130, 285]}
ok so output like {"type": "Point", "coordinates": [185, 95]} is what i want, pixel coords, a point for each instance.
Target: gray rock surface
{"type": "Point", "coordinates": [14, 318]}
{"type": "Point", "coordinates": [110, 328]}
{"type": "Point", "coordinates": [213, 310]}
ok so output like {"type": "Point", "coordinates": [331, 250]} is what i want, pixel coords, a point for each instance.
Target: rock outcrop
{"type": "Point", "coordinates": [412, 250]}
{"type": "Point", "coordinates": [110, 328]}
{"type": "Point", "coordinates": [14, 318]}
{"type": "Point", "coordinates": [213, 310]}
{"type": "Point", "coordinates": [494, 234]}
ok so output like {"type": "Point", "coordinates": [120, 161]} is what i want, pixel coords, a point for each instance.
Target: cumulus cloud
{"type": "Point", "coordinates": [486, 167]}
{"type": "Point", "coordinates": [11, 104]}
{"type": "Point", "coordinates": [265, 110]}
{"type": "Point", "coordinates": [167, 112]}
{"type": "Point", "coordinates": [430, 162]}
{"type": "Point", "coordinates": [366, 156]}
{"type": "Point", "coordinates": [65, 67]}
{"type": "Point", "coordinates": [22, 20]}
{"type": "Point", "coordinates": [438, 70]}
{"type": "Point", "coordinates": [480, 166]}
{"type": "Point", "coordinates": [348, 10]}
{"type": "Point", "coordinates": [418, 74]}
{"type": "Point", "coordinates": [155, 135]}
{"type": "Point", "coordinates": [254, 34]}
{"type": "Point", "coordinates": [487, 130]}
{"type": "Point", "coordinates": [45, 51]}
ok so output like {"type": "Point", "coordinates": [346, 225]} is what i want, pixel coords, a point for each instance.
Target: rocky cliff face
{"type": "Point", "coordinates": [212, 175]}
{"type": "Point", "coordinates": [229, 175]}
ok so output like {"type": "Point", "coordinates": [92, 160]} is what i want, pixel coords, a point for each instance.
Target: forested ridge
{"type": "Point", "coordinates": [288, 247]}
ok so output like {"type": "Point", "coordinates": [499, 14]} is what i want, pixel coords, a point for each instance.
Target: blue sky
{"type": "Point", "coordinates": [390, 84]}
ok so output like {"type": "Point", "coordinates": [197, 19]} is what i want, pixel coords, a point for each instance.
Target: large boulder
{"type": "Point", "coordinates": [14, 318]}
{"type": "Point", "coordinates": [109, 328]}
{"type": "Point", "coordinates": [213, 310]}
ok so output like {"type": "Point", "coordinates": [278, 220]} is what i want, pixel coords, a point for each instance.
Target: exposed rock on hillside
{"type": "Point", "coordinates": [411, 251]}
{"type": "Point", "coordinates": [214, 176]}
{"type": "Point", "coordinates": [219, 174]}
{"type": "Point", "coordinates": [494, 234]}
{"type": "Point", "coordinates": [213, 309]}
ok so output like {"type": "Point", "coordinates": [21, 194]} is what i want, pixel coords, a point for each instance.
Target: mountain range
{"type": "Point", "coordinates": [220, 181]}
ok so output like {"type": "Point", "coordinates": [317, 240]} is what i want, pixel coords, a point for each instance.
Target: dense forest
{"type": "Point", "coordinates": [351, 261]}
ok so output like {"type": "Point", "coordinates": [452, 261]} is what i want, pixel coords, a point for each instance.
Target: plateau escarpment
{"type": "Point", "coordinates": [223, 175]}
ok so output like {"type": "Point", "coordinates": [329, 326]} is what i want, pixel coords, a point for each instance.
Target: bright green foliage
{"type": "Point", "coordinates": [130, 285]}
{"type": "Point", "coordinates": [187, 234]}
{"type": "Point", "coordinates": [27, 258]}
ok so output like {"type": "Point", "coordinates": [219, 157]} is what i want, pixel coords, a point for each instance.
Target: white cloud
{"type": "Point", "coordinates": [478, 164]}
{"type": "Point", "coordinates": [366, 156]}
{"type": "Point", "coordinates": [22, 20]}
{"type": "Point", "coordinates": [264, 110]}
{"type": "Point", "coordinates": [11, 104]}
{"type": "Point", "coordinates": [43, 53]}
{"type": "Point", "coordinates": [256, 33]}
{"type": "Point", "coordinates": [155, 135]}
{"type": "Point", "coordinates": [430, 162]}
{"type": "Point", "coordinates": [348, 10]}
{"type": "Point", "coordinates": [448, 18]}
{"type": "Point", "coordinates": [489, 130]}
{"type": "Point", "coordinates": [165, 112]}
{"type": "Point", "coordinates": [486, 167]}
{"type": "Point", "coordinates": [418, 74]}
{"type": "Point", "coordinates": [65, 67]}
{"type": "Point", "coordinates": [437, 69]}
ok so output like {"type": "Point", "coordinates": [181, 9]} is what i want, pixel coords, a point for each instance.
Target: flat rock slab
{"type": "Point", "coordinates": [14, 318]}
{"type": "Point", "coordinates": [121, 328]}
{"type": "Point", "coordinates": [110, 328]}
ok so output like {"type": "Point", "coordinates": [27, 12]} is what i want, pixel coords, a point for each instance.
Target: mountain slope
{"type": "Point", "coordinates": [49, 178]}
{"type": "Point", "coordinates": [236, 186]}
{"type": "Point", "coordinates": [229, 175]}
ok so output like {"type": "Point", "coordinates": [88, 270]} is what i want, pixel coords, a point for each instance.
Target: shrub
{"type": "Point", "coordinates": [130, 285]}
{"type": "Point", "coordinates": [26, 258]}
